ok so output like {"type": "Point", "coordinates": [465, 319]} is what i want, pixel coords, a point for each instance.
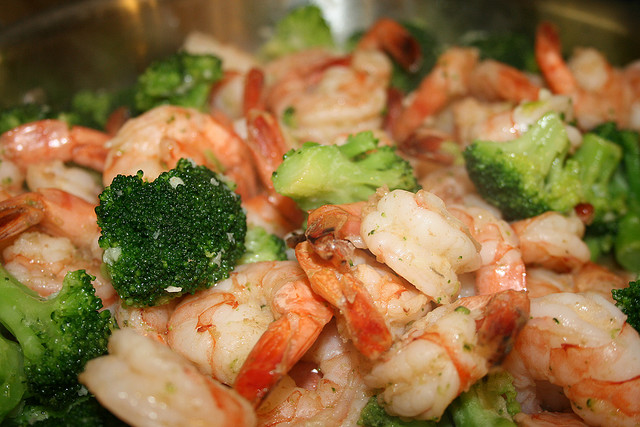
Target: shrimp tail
{"type": "Point", "coordinates": [392, 38]}
{"type": "Point", "coordinates": [279, 348]}
{"type": "Point", "coordinates": [548, 53]}
{"type": "Point", "coordinates": [20, 213]}
{"type": "Point", "coordinates": [365, 324]}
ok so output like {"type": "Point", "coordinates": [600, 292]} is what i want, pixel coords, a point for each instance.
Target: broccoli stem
{"type": "Point", "coordinates": [12, 376]}
{"type": "Point", "coordinates": [627, 242]}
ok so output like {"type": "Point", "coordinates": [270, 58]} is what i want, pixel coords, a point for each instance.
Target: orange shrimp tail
{"type": "Point", "coordinates": [279, 348]}
{"type": "Point", "coordinates": [20, 213]}
{"type": "Point", "coordinates": [548, 53]}
{"type": "Point", "coordinates": [266, 142]}
{"type": "Point", "coordinates": [392, 38]}
{"type": "Point", "coordinates": [365, 324]}
{"type": "Point", "coordinates": [329, 227]}
{"type": "Point", "coordinates": [253, 91]}
{"type": "Point", "coordinates": [504, 317]}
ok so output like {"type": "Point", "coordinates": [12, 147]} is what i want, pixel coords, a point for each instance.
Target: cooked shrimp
{"type": "Point", "coordinates": [548, 419]}
{"type": "Point", "coordinates": [444, 353]}
{"type": "Point", "coordinates": [338, 96]}
{"type": "Point", "coordinates": [151, 321]}
{"type": "Point", "coordinates": [446, 81]}
{"type": "Point", "coordinates": [553, 241]}
{"type": "Point", "coordinates": [581, 343]}
{"type": "Point", "coordinates": [146, 384]}
{"type": "Point", "coordinates": [325, 388]}
{"type": "Point", "coordinates": [419, 239]}
{"type": "Point", "coordinates": [600, 92]}
{"type": "Point", "coordinates": [46, 140]}
{"type": "Point", "coordinates": [251, 328]}
{"type": "Point", "coordinates": [54, 212]}
{"type": "Point", "coordinates": [74, 180]}
{"type": "Point", "coordinates": [502, 262]}
{"type": "Point", "coordinates": [495, 81]}
{"type": "Point", "coordinates": [41, 261]}
{"type": "Point", "coordinates": [156, 140]}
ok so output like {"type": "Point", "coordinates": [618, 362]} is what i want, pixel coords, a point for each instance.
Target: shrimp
{"type": "Point", "coordinates": [553, 241]}
{"type": "Point", "coordinates": [146, 384]}
{"type": "Point", "coordinates": [419, 239]}
{"type": "Point", "coordinates": [251, 328]}
{"type": "Point", "coordinates": [54, 212]}
{"type": "Point", "coordinates": [600, 92]}
{"type": "Point", "coordinates": [495, 81]}
{"type": "Point", "coordinates": [156, 140]}
{"type": "Point", "coordinates": [325, 387]}
{"type": "Point", "coordinates": [47, 140]}
{"type": "Point", "coordinates": [148, 321]}
{"type": "Point", "coordinates": [581, 343]}
{"type": "Point", "coordinates": [447, 351]}
{"type": "Point", "coordinates": [502, 263]}
{"type": "Point", "coordinates": [74, 180]}
{"type": "Point", "coordinates": [389, 36]}
{"type": "Point", "coordinates": [338, 96]}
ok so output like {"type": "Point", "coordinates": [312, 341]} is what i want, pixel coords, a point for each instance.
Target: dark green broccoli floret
{"type": "Point", "coordinates": [529, 175]}
{"type": "Point", "coordinates": [302, 28]}
{"type": "Point", "coordinates": [489, 402]}
{"type": "Point", "coordinates": [628, 300]}
{"type": "Point", "coordinates": [262, 246]}
{"type": "Point", "coordinates": [180, 233]}
{"type": "Point", "coordinates": [315, 174]}
{"type": "Point", "coordinates": [57, 335]}
{"type": "Point", "coordinates": [85, 411]}
{"type": "Point", "coordinates": [93, 108]}
{"type": "Point", "coordinates": [13, 381]}
{"type": "Point", "coordinates": [511, 47]}
{"type": "Point", "coordinates": [182, 79]}
{"type": "Point", "coordinates": [21, 114]}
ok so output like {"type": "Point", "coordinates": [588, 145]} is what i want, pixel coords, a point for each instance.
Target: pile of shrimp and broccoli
{"type": "Point", "coordinates": [186, 230]}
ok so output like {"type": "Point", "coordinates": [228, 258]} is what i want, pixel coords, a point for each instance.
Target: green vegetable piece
{"type": "Point", "coordinates": [510, 47]}
{"type": "Point", "coordinates": [491, 401]}
{"type": "Point", "coordinates": [13, 381]}
{"type": "Point", "coordinates": [315, 174]}
{"type": "Point", "coordinates": [374, 415]}
{"type": "Point", "coordinates": [57, 335]}
{"type": "Point", "coordinates": [627, 242]}
{"type": "Point", "coordinates": [529, 175]}
{"type": "Point", "coordinates": [180, 233]}
{"type": "Point", "coordinates": [21, 114]}
{"type": "Point", "coordinates": [302, 28]}
{"type": "Point", "coordinates": [262, 246]}
{"type": "Point", "coordinates": [628, 300]}
{"type": "Point", "coordinates": [181, 79]}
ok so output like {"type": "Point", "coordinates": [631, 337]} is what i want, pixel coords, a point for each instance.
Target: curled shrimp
{"type": "Point", "coordinates": [553, 241]}
{"type": "Point", "coordinates": [502, 264]}
{"type": "Point", "coordinates": [580, 343]}
{"type": "Point", "coordinates": [325, 387]}
{"type": "Point", "coordinates": [146, 384]}
{"type": "Point", "coordinates": [251, 328]}
{"type": "Point", "coordinates": [47, 140]}
{"type": "Point", "coordinates": [445, 352]}
{"type": "Point", "coordinates": [389, 36]}
{"type": "Point", "coordinates": [151, 321]}
{"type": "Point", "coordinates": [416, 236]}
{"type": "Point", "coordinates": [600, 92]}
{"type": "Point", "coordinates": [156, 140]}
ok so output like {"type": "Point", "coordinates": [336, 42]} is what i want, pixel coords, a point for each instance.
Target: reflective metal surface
{"type": "Point", "coordinates": [105, 43]}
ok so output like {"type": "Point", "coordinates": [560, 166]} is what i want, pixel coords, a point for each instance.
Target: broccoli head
{"type": "Point", "coordinates": [25, 113]}
{"type": "Point", "coordinates": [262, 246]}
{"type": "Point", "coordinates": [57, 335]}
{"type": "Point", "coordinates": [182, 79]}
{"type": "Point", "coordinates": [315, 175]}
{"type": "Point", "coordinates": [628, 301]}
{"type": "Point", "coordinates": [302, 28]}
{"type": "Point", "coordinates": [182, 232]}
{"type": "Point", "coordinates": [529, 175]}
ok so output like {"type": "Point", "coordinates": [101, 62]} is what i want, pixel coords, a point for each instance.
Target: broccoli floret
{"type": "Point", "coordinates": [529, 175]}
{"type": "Point", "coordinates": [262, 246]}
{"type": "Point", "coordinates": [93, 108]}
{"type": "Point", "coordinates": [25, 113]}
{"type": "Point", "coordinates": [489, 402]}
{"type": "Point", "coordinates": [57, 335]}
{"type": "Point", "coordinates": [13, 381]}
{"type": "Point", "coordinates": [374, 415]}
{"type": "Point", "coordinates": [85, 411]}
{"type": "Point", "coordinates": [182, 232]}
{"type": "Point", "coordinates": [315, 174]}
{"type": "Point", "coordinates": [182, 79]}
{"type": "Point", "coordinates": [510, 47]}
{"type": "Point", "coordinates": [302, 28]}
{"type": "Point", "coordinates": [628, 301]}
